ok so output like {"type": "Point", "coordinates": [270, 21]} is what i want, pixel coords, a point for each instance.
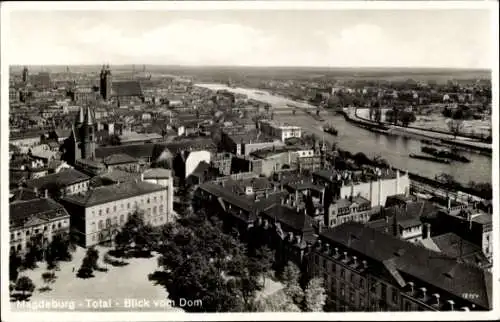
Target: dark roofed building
{"type": "Point", "coordinates": [65, 182]}
{"type": "Point", "coordinates": [121, 161]}
{"type": "Point", "coordinates": [98, 214]}
{"type": "Point", "coordinates": [396, 275]}
{"type": "Point", "coordinates": [144, 152]}
{"type": "Point", "coordinates": [36, 221]}
{"type": "Point", "coordinates": [22, 194]}
{"type": "Point", "coordinates": [127, 89]}
{"type": "Point", "coordinates": [457, 247]}
{"type": "Point", "coordinates": [110, 193]}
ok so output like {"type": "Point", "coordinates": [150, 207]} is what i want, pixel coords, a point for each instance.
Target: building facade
{"type": "Point", "coordinates": [280, 131]}
{"type": "Point", "coordinates": [37, 221]}
{"type": "Point", "coordinates": [98, 214]}
{"type": "Point", "coordinates": [365, 270]}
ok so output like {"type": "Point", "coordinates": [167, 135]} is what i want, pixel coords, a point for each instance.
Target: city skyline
{"type": "Point", "coordinates": [353, 38]}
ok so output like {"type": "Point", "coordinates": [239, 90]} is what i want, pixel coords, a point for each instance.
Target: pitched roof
{"type": "Point", "coordinates": [127, 88]}
{"type": "Point", "coordinates": [414, 260]}
{"type": "Point", "coordinates": [119, 158]}
{"type": "Point", "coordinates": [65, 177]}
{"type": "Point", "coordinates": [117, 175]}
{"type": "Point", "coordinates": [22, 193]}
{"type": "Point", "coordinates": [42, 209]}
{"type": "Point", "coordinates": [133, 150]}
{"type": "Point", "coordinates": [155, 173]}
{"type": "Point", "coordinates": [289, 217]}
{"type": "Point", "coordinates": [110, 193]}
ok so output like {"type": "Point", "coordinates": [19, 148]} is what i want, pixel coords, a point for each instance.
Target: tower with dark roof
{"type": "Point", "coordinates": [105, 82]}
{"type": "Point", "coordinates": [25, 74]}
{"type": "Point", "coordinates": [88, 140]}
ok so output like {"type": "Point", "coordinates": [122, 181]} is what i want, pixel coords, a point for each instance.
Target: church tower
{"type": "Point", "coordinates": [25, 74]}
{"type": "Point", "coordinates": [105, 82]}
{"type": "Point", "coordinates": [87, 135]}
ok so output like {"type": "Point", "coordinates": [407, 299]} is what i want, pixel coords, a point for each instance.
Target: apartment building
{"type": "Point", "coordinates": [98, 214]}
{"type": "Point", "coordinates": [366, 270]}
{"type": "Point", "coordinates": [36, 220]}
{"type": "Point", "coordinates": [280, 131]}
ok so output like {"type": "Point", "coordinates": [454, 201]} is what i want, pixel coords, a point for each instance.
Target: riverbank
{"type": "Point", "coordinates": [419, 133]}
{"type": "Point", "coordinates": [372, 142]}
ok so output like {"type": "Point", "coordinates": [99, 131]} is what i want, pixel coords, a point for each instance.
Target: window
{"type": "Point", "coordinates": [59, 225]}
{"type": "Point", "coordinates": [333, 267]}
{"type": "Point", "coordinates": [128, 205]}
{"type": "Point", "coordinates": [361, 283]}
{"type": "Point", "coordinates": [100, 224]}
{"type": "Point", "coordinates": [352, 277]}
{"type": "Point", "coordinates": [148, 200]}
{"type": "Point", "coordinates": [342, 272]}
{"type": "Point", "coordinates": [121, 206]}
{"type": "Point", "coordinates": [316, 259]}
{"type": "Point", "coordinates": [352, 295]}
{"type": "Point", "coordinates": [154, 210]}
{"type": "Point", "coordinates": [121, 219]}
{"type": "Point", "coordinates": [108, 222]}
{"type": "Point", "coordinates": [161, 209]}
{"type": "Point", "coordinates": [100, 212]}
{"type": "Point", "coordinates": [408, 306]}
{"type": "Point", "coordinates": [114, 208]}
{"type": "Point", "coordinates": [342, 291]}
{"type": "Point", "coordinates": [11, 236]}
{"type": "Point", "coordinates": [53, 226]}
{"type": "Point", "coordinates": [394, 296]}
{"type": "Point", "coordinates": [383, 291]}
{"type": "Point", "coordinates": [107, 210]}
{"type": "Point", "coordinates": [325, 263]}
{"type": "Point", "coordinates": [154, 198]}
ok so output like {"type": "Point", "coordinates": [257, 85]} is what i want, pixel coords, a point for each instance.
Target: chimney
{"type": "Point", "coordinates": [436, 298]}
{"type": "Point", "coordinates": [451, 304]}
{"type": "Point", "coordinates": [424, 292]}
{"type": "Point", "coordinates": [345, 256]}
{"type": "Point", "coordinates": [449, 203]}
{"type": "Point", "coordinates": [282, 200]}
{"type": "Point", "coordinates": [336, 252]}
{"type": "Point", "coordinates": [365, 264]}
{"type": "Point", "coordinates": [427, 233]}
{"type": "Point", "coordinates": [327, 248]}
{"type": "Point", "coordinates": [142, 176]}
{"type": "Point", "coordinates": [35, 190]}
{"type": "Point", "coordinates": [46, 193]}
{"type": "Point", "coordinates": [355, 261]}
{"type": "Point", "coordinates": [412, 286]}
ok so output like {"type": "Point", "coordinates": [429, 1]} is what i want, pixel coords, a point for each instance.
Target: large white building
{"type": "Point", "coordinates": [280, 131]}
{"type": "Point", "coordinates": [98, 214]}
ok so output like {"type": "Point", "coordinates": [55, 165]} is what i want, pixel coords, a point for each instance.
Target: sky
{"type": "Point", "coordinates": [327, 38]}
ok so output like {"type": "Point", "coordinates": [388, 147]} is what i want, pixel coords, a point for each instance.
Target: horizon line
{"type": "Point", "coordinates": [258, 66]}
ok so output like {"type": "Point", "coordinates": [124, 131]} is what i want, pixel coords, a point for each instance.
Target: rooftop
{"type": "Point", "coordinates": [119, 158]}
{"type": "Point", "coordinates": [297, 221]}
{"type": "Point", "coordinates": [111, 193]}
{"type": "Point", "coordinates": [127, 88]}
{"type": "Point", "coordinates": [441, 271]}
{"type": "Point", "coordinates": [63, 178]}
{"type": "Point", "coordinates": [117, 175]}
{"type": "Point", "coordinates": [155, 173]}
{"type": "Point", "coordinates": [34, 211]}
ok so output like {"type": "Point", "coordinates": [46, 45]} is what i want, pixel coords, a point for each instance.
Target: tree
{"type": "Point", "coordinates": [277, 302]}
{"type": "Point", "coordinates": [48, 277]}
{"type": "Point", "coordinates": [290, 277]}
{"type": "Point", "coordinates": [86, 269]}
{"type": "Point", "coordinates": [455, 127]}
{"type": "Point", "coordinates": [24, 284]}
{"type": "Point", "coordinates": [14, 264]}
{"type": "Point", "coordinates": [315, 297]}
{"type": "Point", "coordinates": [407, 117]}
{"type": "Point", "coordinates": [264, 258]}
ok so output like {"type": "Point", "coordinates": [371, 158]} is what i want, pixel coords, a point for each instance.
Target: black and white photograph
{"type": "Point", "coordinates": [317, 160]}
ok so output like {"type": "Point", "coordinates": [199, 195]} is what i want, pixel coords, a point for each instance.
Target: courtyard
{"type": "Point", "coordinates": [118, 289]}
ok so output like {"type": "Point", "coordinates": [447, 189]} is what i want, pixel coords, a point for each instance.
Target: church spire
{"type": "Point", "coordinates": [88, 117]}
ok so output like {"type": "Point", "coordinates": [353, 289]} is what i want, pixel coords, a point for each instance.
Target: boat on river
{"type": "Point", "coordinates": [445, 154]}
{"type": "Point", "coordinates": [428, 158]}
{"type": "Point", "coordinates": [330, 130]}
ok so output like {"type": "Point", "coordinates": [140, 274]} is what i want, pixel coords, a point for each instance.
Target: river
{"type": "Point", "coordinates": [354, 139]}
